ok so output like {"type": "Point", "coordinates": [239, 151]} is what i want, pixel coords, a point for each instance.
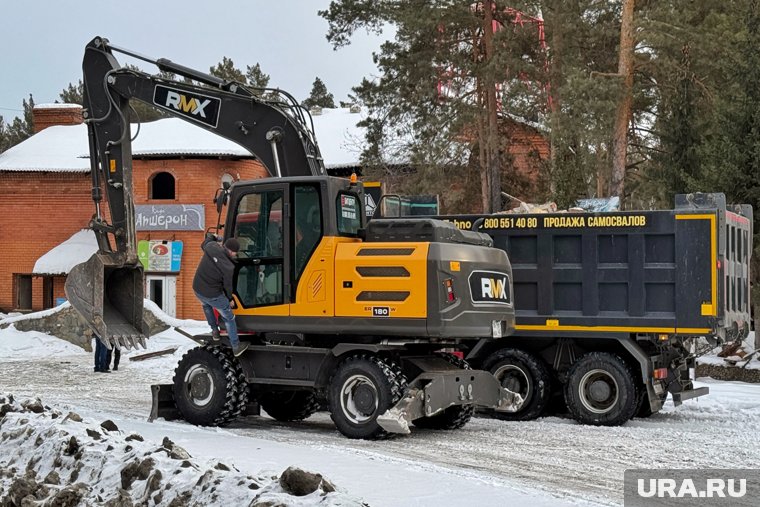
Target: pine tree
{"type": "Point", "coordinates": [256, 77]}
{"type": "Point", "coordinates": [73, 94]}
{"type": "Point", "coordinates": [4, 142]}
{"type": "Point", "coordinates": [441, 78]}
{"type": "Point", "coordinates": [21, 128]}
{"type": "Point", "coordinates": [735, 152]}
{"type": "Point", "coordinates": [226, 70]}
{"type": "Point", "coordinates": [319, 96]}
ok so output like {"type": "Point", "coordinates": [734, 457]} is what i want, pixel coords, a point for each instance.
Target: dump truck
{"type": "Point", "coordinates": [609, 306]}
{"type": "Point", "coordinates": [336, 312]}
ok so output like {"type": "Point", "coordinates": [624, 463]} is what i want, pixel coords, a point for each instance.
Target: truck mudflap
{"type": "Point", "coordinates": [108, 294]}
{"type": "Point", "coordinates": [432, 392]}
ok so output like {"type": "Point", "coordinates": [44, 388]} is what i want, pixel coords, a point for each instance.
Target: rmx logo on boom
{"type": "Point", "coordinates": [194, 106]}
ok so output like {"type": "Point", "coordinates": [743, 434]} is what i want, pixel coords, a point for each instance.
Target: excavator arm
{"type": "Point", "coordinates": [107, 290]}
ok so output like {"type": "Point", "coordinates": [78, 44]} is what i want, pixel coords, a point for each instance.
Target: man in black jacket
{"type": "Point", "coordinates": [213, 287]}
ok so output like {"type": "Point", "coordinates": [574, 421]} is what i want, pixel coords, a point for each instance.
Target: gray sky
{"type": "Point", "coordinates": [43, 42]}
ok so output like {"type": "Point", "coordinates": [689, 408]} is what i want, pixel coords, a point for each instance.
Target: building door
{"type": "Point", "coordinates": [23, 292]}
{"type": "Point", "coordinates": [162, 290]}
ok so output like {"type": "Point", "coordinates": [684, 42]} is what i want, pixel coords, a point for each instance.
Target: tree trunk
{"type": "Point", "coordinates": [553, 23]}
{"type": "Point", "coordinates": [492, 129]}
{"type": "Point", "coordinates": [623, 116]}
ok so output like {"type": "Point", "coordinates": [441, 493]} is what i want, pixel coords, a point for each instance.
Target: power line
{"type": "Point", "coordinates": [10, 109]}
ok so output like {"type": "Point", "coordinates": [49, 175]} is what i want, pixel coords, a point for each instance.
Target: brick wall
{"type": "Point", "coordinates": [196, 180]}
{"type": "Point", "coordinates": [38, 211]}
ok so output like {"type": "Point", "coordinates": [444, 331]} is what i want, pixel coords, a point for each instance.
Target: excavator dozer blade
{"type": "Point", "coordinates": [108, 294]}
{"type": "Point", "coordinates": [163, 405]}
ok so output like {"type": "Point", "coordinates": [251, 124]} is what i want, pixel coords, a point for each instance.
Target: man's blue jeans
{"type": "Point", "coordinates": [222, 304]}
{"type": "Point", "coordinates": [101, 355]}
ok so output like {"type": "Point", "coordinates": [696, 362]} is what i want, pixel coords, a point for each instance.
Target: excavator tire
{"type": "Point", "coordinates": [362, 388]}
{"type": "Point", "coordinates": [289, 405]}
{"type": "Point", "coordinates": [209, 386]}
{"type": "Point", "coordinates": [452, 418]}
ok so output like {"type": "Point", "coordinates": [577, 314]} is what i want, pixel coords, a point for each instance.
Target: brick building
{"type": "Point", "coordinates": [45, 200]}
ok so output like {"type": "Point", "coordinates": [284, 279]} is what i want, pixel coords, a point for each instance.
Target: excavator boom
{"type": "Point", "coordinates": [107, 290]}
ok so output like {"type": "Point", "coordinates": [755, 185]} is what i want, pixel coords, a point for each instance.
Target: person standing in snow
{"type": "Point", "coordinates": [213, 287]}
{"type": "Point", "coordinates": [101, 357]}
{"type": "Point", "coordinates": [116, 354]}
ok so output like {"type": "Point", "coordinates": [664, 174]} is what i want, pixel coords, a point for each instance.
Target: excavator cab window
{"type": "Point", "coordinates": [258, 228]}
{"type": "Point", "coordinates": [349, 214]}
{"type": "Point", "coordinates": [308, 224]}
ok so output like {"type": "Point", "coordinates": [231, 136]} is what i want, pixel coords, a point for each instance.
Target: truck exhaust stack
{"type": "Point", "coordinates": [108, 294]}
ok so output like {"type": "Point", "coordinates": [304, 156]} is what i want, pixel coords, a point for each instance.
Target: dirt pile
{"type": "Point", "coordinates": [57, 458]}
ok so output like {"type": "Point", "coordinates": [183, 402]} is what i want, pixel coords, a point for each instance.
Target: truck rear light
{"type": "Point", "coordinates": [661, 373]}
{"type": "Point", "coordinates": [449, 284]}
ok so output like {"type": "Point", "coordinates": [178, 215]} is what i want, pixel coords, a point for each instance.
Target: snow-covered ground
{"type": "Point", "coordinates": [548, 462]}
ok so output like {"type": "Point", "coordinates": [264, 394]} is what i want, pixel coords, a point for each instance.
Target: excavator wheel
{"type": "Point", "coordinates": [362, 388]}
{"type": "Point", "coordinates": [452, 418]}
{"type": "Point", "coordinates": [209, 386]}
{"type": "Point", "coordinates": [289, 405]}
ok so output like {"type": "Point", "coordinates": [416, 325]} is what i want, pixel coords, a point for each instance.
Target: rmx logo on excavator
{"type": "Point", "coordinates": [192, 105]}
{"type": "Point", "coordinates": [489, 287]}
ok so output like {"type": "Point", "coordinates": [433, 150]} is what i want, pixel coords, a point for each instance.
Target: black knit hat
{"type": "Point", "coordinates": [232, 245]}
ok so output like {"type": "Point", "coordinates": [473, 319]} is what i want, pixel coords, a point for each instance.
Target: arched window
{"type": "Point", "coordinates": [162, 186]}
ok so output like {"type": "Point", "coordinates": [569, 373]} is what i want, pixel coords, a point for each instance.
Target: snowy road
{"type": "Point", "coordinates": [551, 461]}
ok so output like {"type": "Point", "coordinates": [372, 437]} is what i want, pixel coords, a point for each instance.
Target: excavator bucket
{"type": "Point", "coordinates": [108, 294]}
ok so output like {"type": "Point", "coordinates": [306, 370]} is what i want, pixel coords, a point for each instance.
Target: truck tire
{"type": "Point", "coordinates": [209, 386]}
{"type": "Point", "coordinates": [600, 390]}
{"type": "Point", "coordinates": [452, 418]}
{"type": "Point", "coordinates": [362, 388]}
{"type": "Point", "coordinates": [289, 405]}
{"type": "Point", "coordinates": [525, 374]}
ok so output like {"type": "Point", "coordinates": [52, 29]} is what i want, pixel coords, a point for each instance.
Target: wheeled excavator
{"type": "Point", "coordinates": [363, 318]}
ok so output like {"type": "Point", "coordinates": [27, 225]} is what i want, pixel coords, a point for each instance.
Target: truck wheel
{"type": "Point", "coordinates": [600, 390]}
{"type": "Point", "coordinates": [523, 373]}
{"type": "Point", "coordinates": [362, 388]}
{"type": "Point", "coordinates": [289, 405]}
{"type": "Point", "coordinates": [209, 386]}
{"type": "Point", "coordinates": [452, 418]}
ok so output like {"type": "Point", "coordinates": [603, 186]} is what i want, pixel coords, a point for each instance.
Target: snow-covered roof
{"type": "Point", "coordinates": [172, 136]}
{"type": "Point", "coordinates": [57, 106]}
{"type": "Point", "coordinates": [64, 148]}
{"type": "Point", "coordinates": [75, 250]}
{"type": "Point", "coordinates": [59, 148]}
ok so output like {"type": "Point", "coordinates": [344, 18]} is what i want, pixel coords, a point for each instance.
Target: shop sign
{"type": "Point", "coordinates": [158, 255]}
{"type": "Point", "coordinates": [170, 217]}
